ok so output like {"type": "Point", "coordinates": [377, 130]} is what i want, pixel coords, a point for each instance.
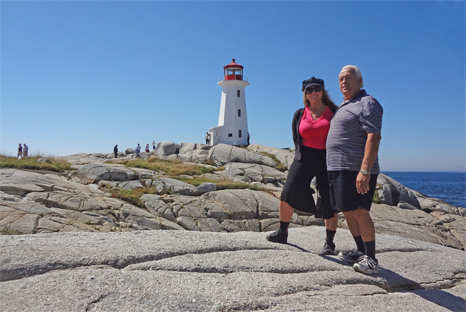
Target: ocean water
{"type": "Point", "coordinates": [447, 186]}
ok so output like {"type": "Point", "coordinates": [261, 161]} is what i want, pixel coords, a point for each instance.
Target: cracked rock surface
{"type": "Point", "coordinates": [207, 271]}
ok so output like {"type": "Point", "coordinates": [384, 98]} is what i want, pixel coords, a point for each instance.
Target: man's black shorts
{"type": "Point", "coordinates": [343, 193]}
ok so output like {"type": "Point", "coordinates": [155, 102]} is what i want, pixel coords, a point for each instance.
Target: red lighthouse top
{"type": "Point", "coordinates": [233, 71]}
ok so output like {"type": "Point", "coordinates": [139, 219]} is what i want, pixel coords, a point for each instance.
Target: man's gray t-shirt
{"type": "Point", "coordinates": [349, 127]}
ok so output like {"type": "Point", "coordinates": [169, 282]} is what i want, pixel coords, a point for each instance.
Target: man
{"type": "Point", "coordinates": [25, 150]}
{"type": "Point", "coordinates": [352, 164]}
{"type": "Point", "coordinates": [115, 151]}
{"type": "Point", "coordinates": [138, 151]}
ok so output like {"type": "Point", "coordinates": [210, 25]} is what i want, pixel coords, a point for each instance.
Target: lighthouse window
{"type": "Point", "coordinates": [239, 133]}
{"type": "Point", "coordinates": [230, 135]}
{"type": "Point", "coordinates": [239, 112]}
{"type": "Point", "coordinates": [238, 93]}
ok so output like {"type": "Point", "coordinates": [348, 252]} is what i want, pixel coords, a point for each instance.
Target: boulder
{"type": "Point", "coordinates": [253, 173]}
{"type": "Point", "coordinates": [97, 172]}
{"type": "Point", "coordinates": [285, 156]}
{"type": "Point", "coordinates": [222, 154]}
{"type": "Point", "coordinates": [167, 149]}
{"type": "Point", "coordinates": [177, 186]}
{"type": "Point", "coordinates": [238, 204]}
{"type": "Point", "coordinates": [205, 188]}
{"type": "Point", "coordinates": [186, 148]}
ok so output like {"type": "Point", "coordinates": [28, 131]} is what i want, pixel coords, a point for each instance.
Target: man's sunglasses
{"type": "Point", "coordinates": [314, 88]}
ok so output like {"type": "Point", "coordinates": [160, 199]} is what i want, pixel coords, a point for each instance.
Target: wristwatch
{"type": "Point", "coordinates": [364, 172]}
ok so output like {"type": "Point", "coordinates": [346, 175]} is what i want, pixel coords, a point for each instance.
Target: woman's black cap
{"type": "Point", "coordinates": [313, 81]}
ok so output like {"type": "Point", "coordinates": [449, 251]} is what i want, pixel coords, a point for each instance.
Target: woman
{"type": "Point", "coordinates": [310, 128]}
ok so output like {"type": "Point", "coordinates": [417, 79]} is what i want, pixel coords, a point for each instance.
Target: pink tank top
{"type": "Point", "coordinates": [314, 132]}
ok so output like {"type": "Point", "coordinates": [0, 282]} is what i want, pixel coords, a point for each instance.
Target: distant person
{"type": "Point", "coordinates": [249, 137]}
{"type": "Point", "coordinates": [147, 148]}
{"type": "Point", "coordinates": [310, 127]}
{"type": "Point", "coordinates": [352, 162]}
{"type": "Point", "coordinates": [153, 145]}
{"type": "Point", "coordinates": [138, 151]}
{"type": "Point", "coordinates": [115, 151]}
{"type": "Point", "coordinates": [20, 151]}
{"type": "Point", "coordinates": [25, 150]}
{"type": "Point", "coordinates": [207, 138]}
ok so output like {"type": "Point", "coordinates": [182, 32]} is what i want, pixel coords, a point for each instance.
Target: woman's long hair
{"type": "Point", "coordinates": [326, 100]}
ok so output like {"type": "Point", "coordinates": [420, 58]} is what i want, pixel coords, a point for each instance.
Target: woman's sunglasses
{"type": "Point", "coordinates": [314, 88]}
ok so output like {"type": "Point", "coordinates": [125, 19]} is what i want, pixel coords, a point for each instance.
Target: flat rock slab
{"type": "Point", "coordinates": [205, 271]}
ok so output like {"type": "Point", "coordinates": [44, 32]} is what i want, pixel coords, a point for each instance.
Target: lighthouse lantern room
{"type": "Point", "coordinates": [232, 121]}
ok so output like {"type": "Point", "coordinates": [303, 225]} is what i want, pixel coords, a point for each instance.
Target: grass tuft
{"type": "Point", "coordinates": [131, 196]}
{"type": "Point", "coordinates": [57, 165]}
{"type": "Point", "coordinates": [8, 231]}
{"type": "Point", "coordinates": [172, 167]}
{"type": "Point", "coordinates": [280, 167]}
{"type": "Point", "coordinates": [221, 184]}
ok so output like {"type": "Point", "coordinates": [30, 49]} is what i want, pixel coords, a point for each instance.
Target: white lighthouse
{"type": "Point", "coordinates": [232, 121]}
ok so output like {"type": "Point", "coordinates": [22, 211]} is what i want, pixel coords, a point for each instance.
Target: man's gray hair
{"type": "Point", "coordinates": [356, 71]}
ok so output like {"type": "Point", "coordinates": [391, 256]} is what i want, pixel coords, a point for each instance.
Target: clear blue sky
{"type": "Point", "coordinates": [83, 76]}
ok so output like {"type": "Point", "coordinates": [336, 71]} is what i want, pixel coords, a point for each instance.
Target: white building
{"type": "Point", "coordinates": [233, 120]}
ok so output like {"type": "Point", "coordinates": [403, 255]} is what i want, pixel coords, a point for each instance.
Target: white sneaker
{"type": "Point", "coordinates": [366, 265]}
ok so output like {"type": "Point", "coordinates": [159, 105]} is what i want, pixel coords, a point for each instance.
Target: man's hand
{"type": "Point", "coordinates": [362, 183]}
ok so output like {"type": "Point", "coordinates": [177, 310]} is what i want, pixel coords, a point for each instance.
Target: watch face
{"type": "Point", "coordinates": [364, 171]}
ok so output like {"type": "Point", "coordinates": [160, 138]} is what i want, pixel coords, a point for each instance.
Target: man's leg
{"type": "Point", "coordinates": [366, 225]}
{"type": "Point", "coordinates": [367, 230]}
{"type": "Point", "coordinates": [352, 223]}
{"type": "Point", "coordinates": [355, 230]}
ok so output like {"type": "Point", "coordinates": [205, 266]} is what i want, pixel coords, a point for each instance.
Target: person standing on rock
{"type": "Point", "coordinates": [25, 150]}
{"type": "Point", "coordinates": [207, 138]}
{"type": "Point", "coordinates": [115, 151]}
{"type": "Point", "coordinates": [352, 148]}
{"type": "Point", "coordinates": [138, 151]}
{"type": "Point", "coordinates": [153, 145]}
{"type": "Point", "coordinates": [20, 151]}
{"type": "Point", "coordinates": [310, 127]}
{"type": "Point", "coordinates": [147, 148]}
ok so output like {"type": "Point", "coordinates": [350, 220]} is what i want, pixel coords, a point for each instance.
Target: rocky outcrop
{"type": "Point", "coordinates": [34, 202]}
{"type": "Point", "coordinates": [393, 193]}
{"type": "Point", "coordinates": [205, 271]}
{"type": "Point", "coordinates": [182, 247]}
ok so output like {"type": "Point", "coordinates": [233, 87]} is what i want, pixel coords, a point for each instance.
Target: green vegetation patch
{"type": "Point", "coordinates": [172, 167]}
{"type": "Point", "coordinates": [8, 231]}
{"type": "Point", "coordinates": [57, 165]}
{"type": "Point", "coordinates": [131, 196]}
{"type": "Point", "coordinates": [280, 167]}
{"type": "Point", "coordinates": [377, 199]}
{"type": "Point", "coordinates": [221, 184]}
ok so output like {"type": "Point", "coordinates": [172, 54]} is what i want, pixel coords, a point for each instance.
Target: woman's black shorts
{"type": "Point", "coordinates": [297, 191]}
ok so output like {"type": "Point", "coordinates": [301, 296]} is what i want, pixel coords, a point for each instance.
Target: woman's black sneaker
{"type": "Point", "coordinates": [328, 250]}
{"type": "Point", "coordinates": [278, 237]}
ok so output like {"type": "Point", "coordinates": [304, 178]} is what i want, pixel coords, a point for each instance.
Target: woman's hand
{"type": "Point", "coordinates": [362, 183]}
